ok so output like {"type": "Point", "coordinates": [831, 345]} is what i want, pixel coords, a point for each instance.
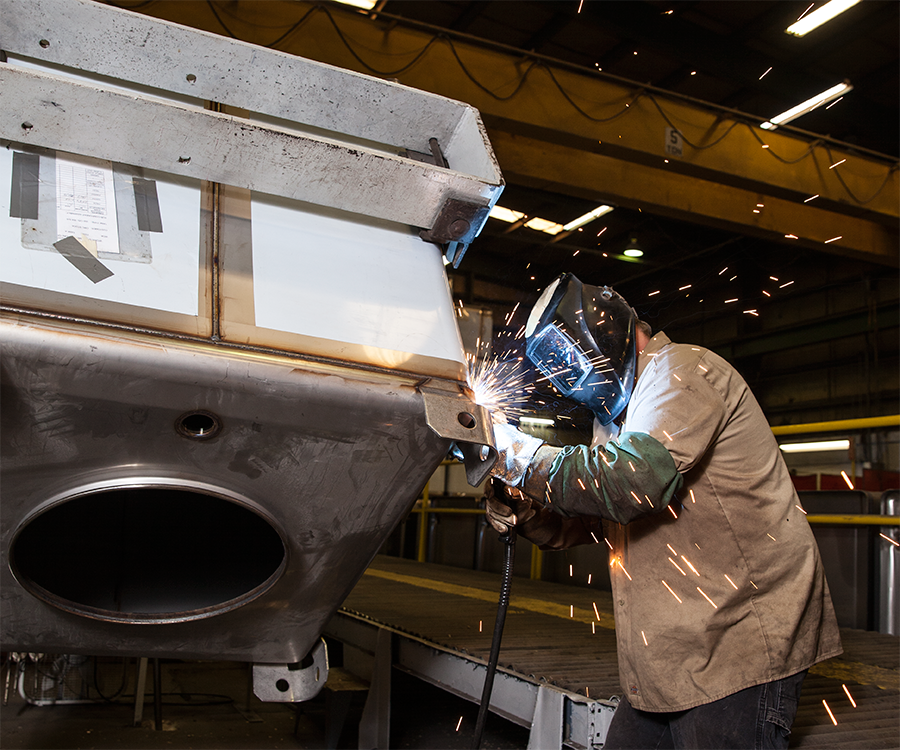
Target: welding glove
{"type": "Point", "coordinates": [516, 450]}
{"type": "Point", "coordinates": [505, 507]}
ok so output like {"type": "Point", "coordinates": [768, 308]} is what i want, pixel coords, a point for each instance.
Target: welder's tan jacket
{"type": "Point", "coordinates": [730, 593]}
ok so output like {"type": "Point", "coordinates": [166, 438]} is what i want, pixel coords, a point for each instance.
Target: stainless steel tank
{"type": "Point", "coordinates": [229, 361]}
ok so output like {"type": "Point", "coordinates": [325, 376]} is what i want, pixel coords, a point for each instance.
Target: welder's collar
{"type": "Point", "coordinates": [653, 347]}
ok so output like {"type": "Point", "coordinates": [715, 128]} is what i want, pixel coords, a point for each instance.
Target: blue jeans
{"type": "Point", "coordinates": [758, 717]}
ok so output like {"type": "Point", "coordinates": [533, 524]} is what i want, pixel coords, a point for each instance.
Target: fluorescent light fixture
{"type": "Point", "coordinates": [537, 421]}
{"type": "Point", "coordinates": [810, 104]}
{"type": "Point", "coordinates": [587, 218]}
{"type": "Point", "coordinates": [542, 225]}
{"type": "Point", "coordinates": [822, 445]}
{"type": "Point", "coordinates": [819, 16]}
{"type": "Point", "coordinates": [506, 214]}
{"type": "Point", "coordinates": [364, 4]}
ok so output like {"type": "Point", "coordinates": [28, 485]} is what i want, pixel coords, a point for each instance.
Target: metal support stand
{"type": "Point", "coordinates": [375, 725]}
{"type": "Point", "coordinates": [139, 685]}
{"type": "Point", "coordinates": [888, 566]}
{"type": "Point", "coordinates": [139, 689]}
{"type": "Point", "coordinates": [546, 728]}
{"type": "Point", "coordinates": [157, 695]}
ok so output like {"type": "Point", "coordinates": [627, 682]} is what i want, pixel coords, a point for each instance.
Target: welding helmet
{"type": "Point", "coordinates": [582, 338]}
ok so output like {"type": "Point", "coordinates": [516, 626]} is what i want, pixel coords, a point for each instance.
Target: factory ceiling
{"type": "Point", "coordinates": [776, 247]}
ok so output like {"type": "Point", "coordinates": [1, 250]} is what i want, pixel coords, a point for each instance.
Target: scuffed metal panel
{"type": "Point", "coordinates": [75, 117]}
{"type": "Point", "coordinates": [141, 50]}
{"type": "Point", "coordinates": [209, 417]}
{"type": "Point", "coordinates": [335, 458]}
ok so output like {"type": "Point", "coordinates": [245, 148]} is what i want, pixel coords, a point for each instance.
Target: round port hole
{"type": "Point", "coordinates": [466, 420]}
{"type": "Point", "coordinates": [198, 425]}
{"type": "Point", "coordinates": [148, 554]}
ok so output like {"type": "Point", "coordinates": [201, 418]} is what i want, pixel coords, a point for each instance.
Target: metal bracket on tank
{"type": "Point", "coordinates": [453, 416]}
{"type": "Point", "coordinates": [292, 683]}
{"type": "Point", "coordinates": [457, 224]}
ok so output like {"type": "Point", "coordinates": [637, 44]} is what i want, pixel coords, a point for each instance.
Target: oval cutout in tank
{"type": "Point", "coordinates": [147, 555]}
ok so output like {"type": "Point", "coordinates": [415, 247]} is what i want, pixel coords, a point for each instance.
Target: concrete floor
{"type": "Point", "coordinates": [205, 706]}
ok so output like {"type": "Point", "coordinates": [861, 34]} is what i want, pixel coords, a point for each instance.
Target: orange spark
{"type": "Point", "coordinates": [707, 598]}
{"type": "Point", "coordinates": [671, 592]}
{"type": "Point", "coordinates": [849, 696]}
{"type": "Point", "coordinates": [690, 565]}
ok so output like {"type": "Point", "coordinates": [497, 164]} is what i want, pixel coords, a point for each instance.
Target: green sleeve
{"type": "Point", "coordinates": [630, 477]}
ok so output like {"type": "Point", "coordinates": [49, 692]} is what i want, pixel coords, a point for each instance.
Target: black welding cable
{"type": "Point", "coordinates": [509, 556]}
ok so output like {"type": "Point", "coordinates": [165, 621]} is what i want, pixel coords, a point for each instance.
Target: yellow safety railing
{"type": "Point", "coordinates": [842, 520]}
{"type": "Point", "coordinates": [424, 509]}
{"type": "Point", "coordinates": [840, 425]}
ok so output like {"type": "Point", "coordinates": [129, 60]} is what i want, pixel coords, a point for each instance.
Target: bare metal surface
{"type": "Point", "coordinates": [73, 117]}
{"type": "Point", "coordinates": [332, 456]}
{"type": "Point", "coordinates": [113, 42]}
{"type": "Point", "coordinates": [455, 416]}
{"type": "Point", "coordinates": [170, 496]}
{"type": "Point", "coordinates": [291, 683]}
{"type": "Point", "coordinates": [313, 132]}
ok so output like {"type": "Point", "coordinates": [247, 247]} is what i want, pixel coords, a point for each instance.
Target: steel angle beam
{"type": "Point", "coordinates": [551, 166]}
{"type": "Point", "coordinates": [87, 36]}
{"type": "Point", "coordinates": [54, 112]}
{"type": "Point", "coordinates": [549, 711]}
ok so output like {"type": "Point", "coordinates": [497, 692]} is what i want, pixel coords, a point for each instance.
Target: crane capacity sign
{"type": "Point", "coordinates": [674, 143]}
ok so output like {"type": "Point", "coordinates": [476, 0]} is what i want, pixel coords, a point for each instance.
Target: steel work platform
{"type": "Point", "coordinates": [558, 672]}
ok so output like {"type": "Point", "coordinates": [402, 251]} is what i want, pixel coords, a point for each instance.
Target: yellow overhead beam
{"type": "Point", "coordinates": [549, 166]}
{"type": "Point", "coordinates": [719, 163]}
{"type": "Point", "coordinates": [628, 120]}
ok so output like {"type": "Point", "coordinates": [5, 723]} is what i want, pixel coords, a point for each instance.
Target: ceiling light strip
{"type": "Point", "coordinates": [810, 104]}
{"type": "Point", "coordinates": [819, 16]}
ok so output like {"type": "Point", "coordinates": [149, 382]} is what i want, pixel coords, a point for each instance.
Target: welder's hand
{"type": "Point", "coordinates": [500, 516]}
{"type": "Point", "coordinates": [505, 507]}
{"type": "Point", "coordinates": [516, 450]}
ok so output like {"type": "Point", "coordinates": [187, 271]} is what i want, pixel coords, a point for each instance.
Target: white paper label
{"type": "Point", "coordinates": [86, 203]}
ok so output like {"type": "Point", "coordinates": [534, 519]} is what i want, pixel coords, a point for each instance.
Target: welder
{"type": "Point", "coordinates": [720, 599]}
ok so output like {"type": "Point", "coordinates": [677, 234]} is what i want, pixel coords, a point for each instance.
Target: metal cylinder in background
{"type": "Point", "coordinates": [889, 566]}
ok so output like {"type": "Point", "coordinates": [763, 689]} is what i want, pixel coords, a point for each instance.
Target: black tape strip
{"type": "Point", "coordinates": [80, 257]}
{"type": "Point", "coordinates": [147, 203]}
{"type": "Point", "coordinates": [23, 198]}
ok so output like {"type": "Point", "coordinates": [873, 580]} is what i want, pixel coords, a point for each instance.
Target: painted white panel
{"type": "Point", "coordinates": [168, 282]}
{"type": "Point", "coordinates": [317, 273]}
